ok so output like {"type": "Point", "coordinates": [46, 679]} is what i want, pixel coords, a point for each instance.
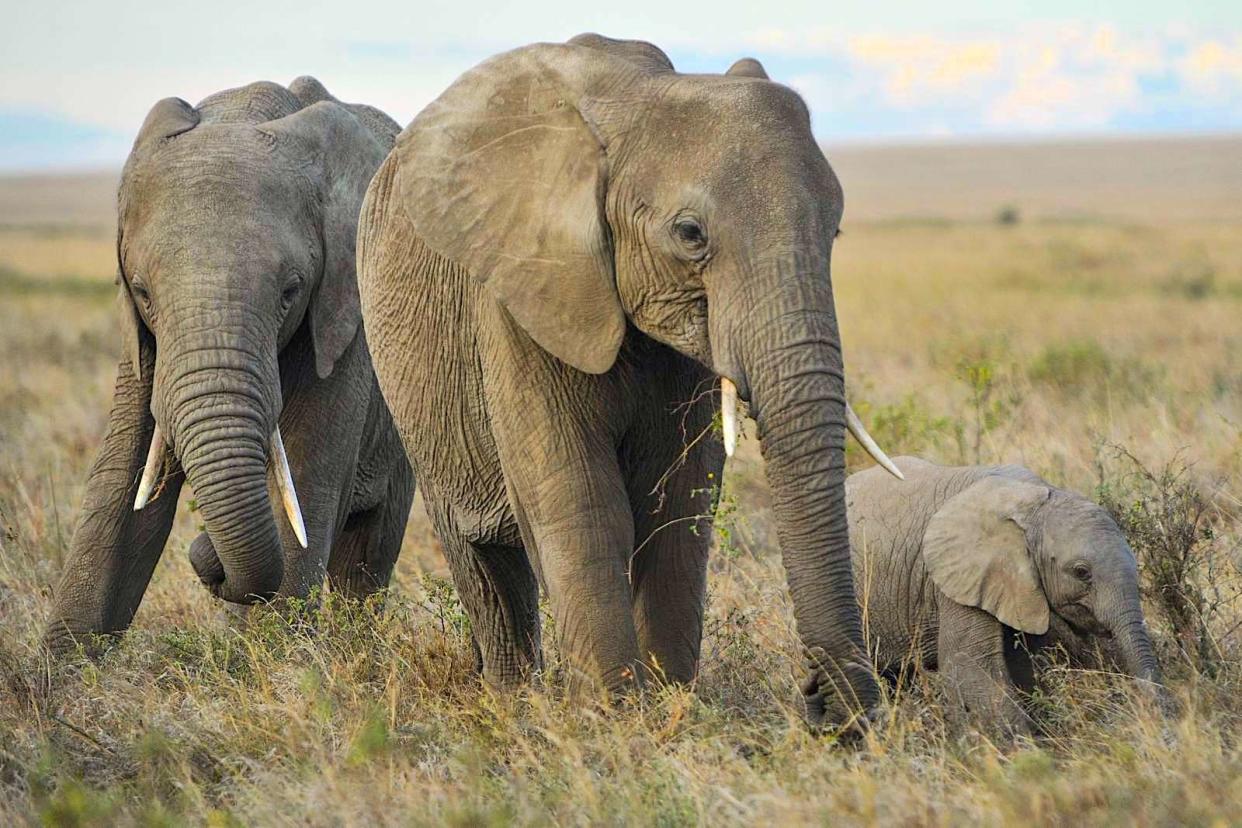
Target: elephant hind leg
{"type": "Point", "coordinates": [366, 550]}
{"type": "Point", "coordinates": [499, 592]}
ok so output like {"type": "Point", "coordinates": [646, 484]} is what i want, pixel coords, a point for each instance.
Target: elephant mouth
{"type": "Point", "coordinates": [1081, 623]}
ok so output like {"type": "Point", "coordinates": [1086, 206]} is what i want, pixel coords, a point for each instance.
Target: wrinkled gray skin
{"type": "Point", "coordinates": [238, 296]}
{"type": "Point", "coordinates": [571, 244]}
{"type": "Point", "coordinates": [952, 563]}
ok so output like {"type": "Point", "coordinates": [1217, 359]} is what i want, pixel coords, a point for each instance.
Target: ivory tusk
{"type": "Point", "coordinates": [284, 482]}
{"type": "Point", "coordinates": [864, 439]}
{"type": "Point", "coordinates": [728, 414]}
{"type": "Point", "coordinates": [155, 459]}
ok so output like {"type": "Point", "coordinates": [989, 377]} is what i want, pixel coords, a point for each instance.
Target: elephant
{"type": "Point", "coordinates": [586, 254]}
{"type": "Point", "coordinates": [956, 561]}
{"type": "Point", "coordinates": [244, 368]}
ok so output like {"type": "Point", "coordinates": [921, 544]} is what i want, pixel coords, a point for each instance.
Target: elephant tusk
{"type": "Point", "coordinates": [155, 459]}
{"type": "Point", "coordinates": [284, 482]}
{"type": "Point", "coordinates": [864, 439]}
{"type": "Point", "coordinates": [728, 414]}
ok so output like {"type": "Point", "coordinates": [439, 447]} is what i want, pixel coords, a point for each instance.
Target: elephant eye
{"type": "Point", "coordinates": [141, 295]}
{"type": "Point", "coordinates": [290, 293]}
{"type": "Point", "coordinates": [690, 233]}
{"type": "Point", "coordinates": [1081, 571]}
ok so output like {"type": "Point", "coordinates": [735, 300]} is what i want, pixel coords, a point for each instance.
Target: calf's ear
{"type": "Point", "coordinates": [977, 553]}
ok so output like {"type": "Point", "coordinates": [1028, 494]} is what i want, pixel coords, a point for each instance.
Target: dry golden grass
{"type": "Point", "coordinates": [1041, 342]}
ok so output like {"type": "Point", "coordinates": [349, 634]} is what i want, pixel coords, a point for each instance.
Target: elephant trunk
{"type": "Point", "coordinates": [1125, 621]}
{"type": "Point", "coordinates": [796, 378]}
{"type": "Point", "coordinates": [221, 416]}
{"type": "Point", "coordinates": [1124, 618]}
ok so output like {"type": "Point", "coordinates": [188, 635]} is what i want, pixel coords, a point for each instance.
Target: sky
{"type": "Point", "coordinates": [77, 77]}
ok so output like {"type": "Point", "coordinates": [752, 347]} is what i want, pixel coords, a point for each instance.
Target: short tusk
{"type": "Point", "coordinates": [864, 439]}
{"type": "Point", "coordinates": [284, 482]}
{"type": "Point", "coordinates": [728, 414]}
{"type": "Point", "coordinates": [155, 459]}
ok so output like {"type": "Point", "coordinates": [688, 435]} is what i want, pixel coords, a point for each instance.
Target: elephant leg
{"type": "Point", "coordinates": [322, 425]}
{"type": "Point", "coordinates": [581, 532]}
{"type": "Point", "coordinates": [673, 468]}
{"type": "Point", "coordinates": [366, 550]}
{"type": "Point", "coordinates": [556, 432]}
{"type": "Point", "coordinates": [500, 594]}
{"type": "Point", "coordinates": [972, 657]}
{"type": "Point", "coordinates": [115, 549]}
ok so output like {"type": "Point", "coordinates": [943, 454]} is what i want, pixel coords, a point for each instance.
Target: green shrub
{"type": "Point", "coordinates": [1084, 367]}
{"type": "Point", "coordinates": [1008, 215]}
{"type": "Point", "coordinates": [1168, 520]}
{"type": "Point", "coordinates": [903, 427]}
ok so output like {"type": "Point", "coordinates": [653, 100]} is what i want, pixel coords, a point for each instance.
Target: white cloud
{"type": "Point", "coordinates": [1213, 68]}
{"type": "Point", "coordinates": [926, 74]}
{"type": "Point", "coordinates": [1071, 76]}
{"type": "Point", "coordinates": [913, 67]}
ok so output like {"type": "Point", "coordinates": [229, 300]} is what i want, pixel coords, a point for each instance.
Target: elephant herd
{"type": "Point", "coordinates": [534, 300]}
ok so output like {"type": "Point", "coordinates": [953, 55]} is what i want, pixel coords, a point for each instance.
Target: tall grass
{"type": "Point", "coordinates": [1029, 342]}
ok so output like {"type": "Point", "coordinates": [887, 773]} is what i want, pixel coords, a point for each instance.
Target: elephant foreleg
{"type": "Point", "coordinates": [973, 665]}
{"type": "Point", "coordinates": [576, 522]}
{"type": "Point", "coordinates": [673, 464]}
{"type": "Point", "coordinates": [114, 548]}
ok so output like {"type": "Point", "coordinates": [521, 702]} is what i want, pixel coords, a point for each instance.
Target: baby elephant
{"type": "Point", "coordinates": [952, 562]}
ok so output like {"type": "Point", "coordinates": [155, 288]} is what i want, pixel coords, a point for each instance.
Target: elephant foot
{"type": "Point", "coordinates": [61, 640]}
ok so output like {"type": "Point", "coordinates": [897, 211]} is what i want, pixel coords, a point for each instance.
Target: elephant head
{"type": "Point", "coordinates": [1034, 557]}
{"type": "Point", "coordinates": [235, 236]}
{"type": "Point", "coordinates": [589, 187]}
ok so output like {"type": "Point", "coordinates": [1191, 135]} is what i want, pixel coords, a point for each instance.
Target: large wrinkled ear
{"type": "Point", "coordinates": [748, 68]}
{"type": "Point", "coordinates": [503, 175]}
{"type": "Point", "coordinates": [341, 155]}
{"type": "Point", "coordinates": [167, 119]}
{"type": "Point", "coordinates": [646, 55]}
{"type": "Point", "coordinates": [976, 551]}
{"type": "Point", "coordinates": [132, 328]}
{"type": "Point", "coordinates": [310, 91]}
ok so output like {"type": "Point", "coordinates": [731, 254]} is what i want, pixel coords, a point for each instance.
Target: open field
{"type": "Point", "coordinates": [1104, 315]}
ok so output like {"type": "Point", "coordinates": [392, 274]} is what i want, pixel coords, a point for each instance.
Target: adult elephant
{"type": "Point", "coordinates": [244, 369]}
{"type": "Point", "coordinates": [569, 246]}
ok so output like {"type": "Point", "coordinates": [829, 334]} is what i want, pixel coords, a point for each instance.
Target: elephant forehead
{"type": "Point", "coordinates": [1074, 524]}
{"type": "Point", "coordinates": [213, 164]}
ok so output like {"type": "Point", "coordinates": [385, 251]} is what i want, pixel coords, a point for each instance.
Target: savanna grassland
{"type": "Point", "coordinates": [1077, 309]}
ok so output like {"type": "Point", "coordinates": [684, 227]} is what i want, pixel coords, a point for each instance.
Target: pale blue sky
{"type": "Point", "coordinates": [76, 78]}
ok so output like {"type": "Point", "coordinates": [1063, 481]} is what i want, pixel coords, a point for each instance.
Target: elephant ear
{"type": "Point", "coordinates": [132, 328]}
{"type": "Point", "coordinates": [341, 154]}
{"type": "Point", "coordinates": [504, 176]}
{"type": "Point", "coordinates": [639, 52]}
{"type": "Point", "coordinates": [748, 68]}
{"type": "Point", "coordinates": [167, 119]}
{"type": "Point", "coordinates": [976, 551]}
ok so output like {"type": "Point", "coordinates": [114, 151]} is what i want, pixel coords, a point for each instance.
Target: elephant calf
{"type": "Point", "coordinates": [242, 328]}
{"type": "Point", "coordinates": [952, 562]}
